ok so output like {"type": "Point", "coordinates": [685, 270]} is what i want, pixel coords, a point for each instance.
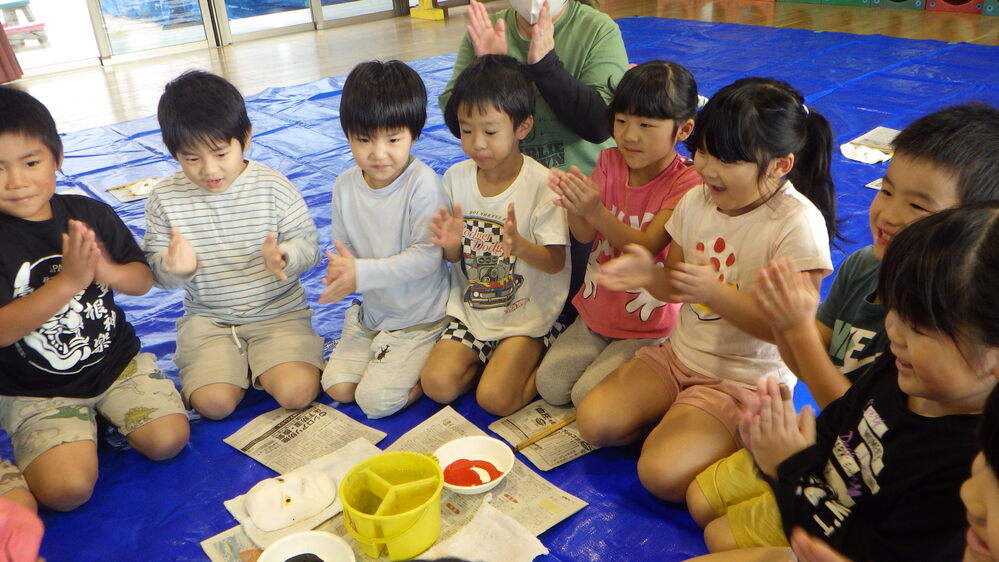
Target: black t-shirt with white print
{"type": "Point", "coordinates": [881, 482]}
{"type": "Point", "coordinates": [83, 348]}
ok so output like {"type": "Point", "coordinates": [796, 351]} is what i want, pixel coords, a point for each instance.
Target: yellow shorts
{"type": "Point", "coordinates": [734, 487]}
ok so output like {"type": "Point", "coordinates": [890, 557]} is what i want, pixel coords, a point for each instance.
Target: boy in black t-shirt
{"type": "Point", "coordinates": [66, 351]}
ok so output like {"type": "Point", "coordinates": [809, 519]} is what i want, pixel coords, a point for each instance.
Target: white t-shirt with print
{"type": "Point", "coordinates": [788, 225]}
{"type": "Point", "coordinates": [498, 296]}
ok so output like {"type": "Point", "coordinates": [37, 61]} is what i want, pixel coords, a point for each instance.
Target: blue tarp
{"type": "Point", "coordinates": [143, 510]}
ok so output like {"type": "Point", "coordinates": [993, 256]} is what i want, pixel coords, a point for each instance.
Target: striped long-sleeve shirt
{"type": "Point", "coordinates": [227, 231]}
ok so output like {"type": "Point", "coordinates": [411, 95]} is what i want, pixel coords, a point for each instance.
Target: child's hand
{"type": "Point", "coordinates": [634, 269]}
{"type": "Point", "coordinates": [448, 228]}
{"type": "Point", "coordinates": [105, 272]}
{"type": "Point", "coordinates": [786, 298]}
{"type": "Point", "coordinates": [275, 259]}
{"type": "Point", "coordinates": [79, 255]}
{"type": "Point", "coordinates": [486, 38]}
{"type": "Point", "coordinates": [512, 240]}
{"type": "Point", "coordinates": [813, 549]}
{"type": "Point", "coordinates": [180, 256]}
{"type": "Point", "coordinates": [341, 275]}
{"type": "Point", "coordinates": [577, 193]}
{"type": "Point", "coordinates": [775, 432]}
{"type": "Point", "coordinates": [542, 35]}
{"type": "Point", "coordinates": [695, 281]}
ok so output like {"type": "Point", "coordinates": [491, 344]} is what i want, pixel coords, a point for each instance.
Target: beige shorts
{"type": "Point", "coordinates": [722, 398]}
{"type": "Point", "coordinates": [10, 477]}
{"type": "Point", "coordinates": [140, 395]}
{"type": "Point", "coordinates": [210, 352]}
{"type": "Point", "coordinates": [733, 486]}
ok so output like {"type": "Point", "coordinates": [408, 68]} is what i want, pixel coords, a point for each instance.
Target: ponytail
{"type": "Point", "coordinates": [810, 174]}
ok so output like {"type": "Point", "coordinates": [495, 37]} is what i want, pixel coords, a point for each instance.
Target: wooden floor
{"type": "Point", "coordinates": [117, 92]}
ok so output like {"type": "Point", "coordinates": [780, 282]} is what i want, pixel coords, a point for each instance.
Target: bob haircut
{"type": "Point", "coordinates": [381, 96]}
{"type": "Point", "coordinates": [198, 107]}
{"type": "Point", "coordinates": [962, 141]}
{"type": "Point", "coordinates": [759, 119]}
{"type": "Point", "coordinates": [22, 114]}
{"type": "Point", "coordinates": [495, 82]}
{"type": "Point", "coordinates": [655, 89]}
{"type": "Point", "coordinates": [939, 273]}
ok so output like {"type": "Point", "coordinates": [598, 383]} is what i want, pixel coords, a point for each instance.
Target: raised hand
{"type": "Point", "coordinates": [79, 255]}
{"type": "Point", "coordinates": [448, 228]}
{"type": "Point", "coordinates": [542, 35]}
{"type": "Point", "coordinates": [341, 275]}
{"type": "Point", "coordinates": [486, 38]}
{"type": "Point", "coordinates": [577, 193]}
{"type": "Point", "coordinates": [512, 240]}
{"type": "Point", "coordinates": [275, 259]}
{"type": "Point", "coordinates": [695, 281]}
{"type": "Point", "coordinates": [104, 273]}
{"type": "Point", "coordinates": [633, 269]}
{"type": "Point", "coordinates": [180, 256]}
{"type": "Point", "coordinates": [775, 432]}
{"type": "Point", "coordinates": [786, 298]}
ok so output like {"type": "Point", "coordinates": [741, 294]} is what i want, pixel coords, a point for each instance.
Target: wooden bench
{"type": "Point", "coordinates": [19, 24]}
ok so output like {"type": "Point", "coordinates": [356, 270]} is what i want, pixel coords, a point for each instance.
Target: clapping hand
{"type": "Point", "coordinates": [695, 281]}
{"type": "Point", "coordinates": [80, 255]}
{"type": "Point", "coordinates": [180, 256]}
{"type": "Point", "coordinates": [785, 297]}
{"type": "Point", "coordinates": [633, 269]}
{"type": "Point", "coordinates": [341, 275]}
{"type": "Point", "coordinates": [275, 259]}
{"type": "Point", "coordinates": [486, 38]}
{"type": "Point", "coordinates": [512, 240]}
{"type": "Point", "coordinates": [542, 35]}
{"type": "Point", "coordinates": [773, 433]}
{"type": "Point", "coordinates": [447, 228]}
{"type": "Point", "coordinates": [577, 193]}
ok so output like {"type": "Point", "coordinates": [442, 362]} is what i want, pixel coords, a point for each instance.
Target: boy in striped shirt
{"type": "Point", "coordinates": [236, 235]}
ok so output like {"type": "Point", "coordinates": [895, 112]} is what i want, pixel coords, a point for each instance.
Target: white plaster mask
{"type": "Point", "coordinates": [530, 9]}
{"type": "Point", "coordinates": [280, 502]}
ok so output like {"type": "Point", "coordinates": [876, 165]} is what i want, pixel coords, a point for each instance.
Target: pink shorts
{"type": "Point", "coordinates": [722, 398]}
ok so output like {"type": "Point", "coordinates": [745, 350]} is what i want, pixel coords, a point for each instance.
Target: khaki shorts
{"type": "Point", "coordinates": [722, 398]}
{"type": "Point", "coordinates": [10, 478]}
{"type": "Point", "coordinates": [140, 395]}
{"type": "Point", "coordinates": [210, 352]}
{"type": "Point", "coordinates": [733, 486]}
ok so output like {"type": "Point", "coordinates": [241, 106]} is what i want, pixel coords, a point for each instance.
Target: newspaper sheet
{"type": "Point", "coordinates": [284, 440]}
{"type": "Point", "coordinates": [560, 447]}
{"type": "Point", "coordinates": [226, 546]}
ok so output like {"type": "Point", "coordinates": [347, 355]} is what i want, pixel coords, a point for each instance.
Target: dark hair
{"type": "Point", "coordinates": [380, 96]}
{"type": "Point", "coordinates": [988, 430]}
{"type": "Point", "coordinates": [22, 114]}
{"type": "Point", "coordinates": [939, 273]}
{"type": "Point", "coordinates": [656, 89]}
{"type": "Point", "coordinates": [760, 119]}
{"type": "Point", "coordinates": [963, 141]}
{"type": "Point", "coordinates": [495, 81]}
{"type": "Point", "coordinates": [200, 107]}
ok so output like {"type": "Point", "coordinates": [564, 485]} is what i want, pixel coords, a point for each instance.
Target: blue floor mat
{"type": "Point", "coordinates": [142, 510]}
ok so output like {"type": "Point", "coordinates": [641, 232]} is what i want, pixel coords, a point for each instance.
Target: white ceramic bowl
{"type": "Point", "coordinates": [327, 546]}
{"type": "Point", "coordinates": [476, 448]}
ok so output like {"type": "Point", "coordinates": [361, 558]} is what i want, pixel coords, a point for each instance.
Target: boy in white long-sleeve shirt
{"type": "Point", "coordinates": [236, 235]}
{"type": "Point", "coordinates": [381, 214]}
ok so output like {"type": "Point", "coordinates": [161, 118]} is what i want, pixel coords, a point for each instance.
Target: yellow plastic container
{"type": "Point", "coordinates": [392, 504]}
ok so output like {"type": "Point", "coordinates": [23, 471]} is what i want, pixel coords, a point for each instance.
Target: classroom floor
{"type": "Point", "coordinates": [161, 511]}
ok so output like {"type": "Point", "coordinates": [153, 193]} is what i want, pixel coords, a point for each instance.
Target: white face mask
{"type": "Point", "coordinates": [529, 9]}
{"type": "Point", "coordinates": [276, 503]}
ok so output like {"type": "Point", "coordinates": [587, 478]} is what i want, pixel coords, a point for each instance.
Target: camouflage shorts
{"type": "Point", "coordinates": [140, 395]}
{"type": "Point", "coordinates": [10, 478]}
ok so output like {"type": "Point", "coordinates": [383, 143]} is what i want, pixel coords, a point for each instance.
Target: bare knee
{"type": "Point", "coordinates": [216, 401]}
{"type": "Point", "coordinates": [498, 401]}
{"type": "Point", "coordinates": [718, 536]}
{"type": "Point", "coordinates": [601, 426]}
{"type": "Point", "coordinates": [698, 506]}
{"type": "Point", "coordinates": [64, 490]}
{"type": "Point", "coordinates": [295, 398]}
{"type": "Point", "coordinates": [162, 438]}
{"type": "Point", "coordinates": [440, 387]}
{"type": "Point", "coordinates": [343, 392]}
{"type": "Point", "coordinates": [663, 480]}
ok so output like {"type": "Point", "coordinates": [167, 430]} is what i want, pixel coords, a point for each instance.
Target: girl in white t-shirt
{"type": "Point", "coordinates": [627, 200]}
{"type": "Point", "coordinates": [767, 193]}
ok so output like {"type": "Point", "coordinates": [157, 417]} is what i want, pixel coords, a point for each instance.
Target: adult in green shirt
{"type": "Point", "coordinates": [575, 55]}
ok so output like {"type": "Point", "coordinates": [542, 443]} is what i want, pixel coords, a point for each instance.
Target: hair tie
{"type": "Point", "coordinates": [805, 107]}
